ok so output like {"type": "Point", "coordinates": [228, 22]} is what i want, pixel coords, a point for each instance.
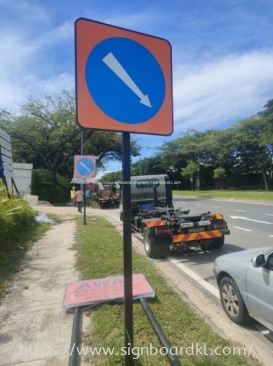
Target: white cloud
{"type": "Point", "coordinates": [64, 31]}
{"type": "Point", "coordinates": [209, 95]}
{"type": "Point", "coordinates": [52, 85]}
{"type": "Point", "coordinates": [132, 21]}
{"type": "Point", "coordinates": [16, 57]}
{"type": "Point", "coordinates": [26, 9]}
{"type": "Point", "coordinates": [26, 67]}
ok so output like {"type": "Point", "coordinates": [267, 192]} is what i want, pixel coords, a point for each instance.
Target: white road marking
{"type": "Point", "coordinates": [215, 206]}
{"type": "Point", "coordinates": [233, 200]}
{"type": "Point", "coordinates": [118, 220]}
{"type": "Point", "coordinates": [247, 219]}
{"type": "Point", "coordinates": [195, 277]}
{"type": "Point", "coordinates": [268, 214]}
{"type": "Point", "coordinates": [240, 210]}
{"type": "Point", "coordinates": [271, 236]}
{"type": "Point", "coordinates": [241, 228]}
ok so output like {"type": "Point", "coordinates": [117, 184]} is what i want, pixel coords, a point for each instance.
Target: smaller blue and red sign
{"type": "Point", "coordinates": [84, 166]}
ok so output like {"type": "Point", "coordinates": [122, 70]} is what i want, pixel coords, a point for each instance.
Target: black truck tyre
{"type": "Point", "coordinates": [155, 246]}
{"type": "Point", "coordinates": [218, 243]}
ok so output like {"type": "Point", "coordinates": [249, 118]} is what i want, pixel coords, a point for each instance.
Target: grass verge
{"type": "Point", "coordinates": [12, 252]}
{"type": "Point", "coordinates": [100, 254]}
{"type": "Point", "coordinates": [245, 195]}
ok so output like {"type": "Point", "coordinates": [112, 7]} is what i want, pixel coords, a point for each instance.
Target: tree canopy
{"type": "Point", "coordinates": [240, 156]}
{"type": "Point", "coordinates": [47, 135]}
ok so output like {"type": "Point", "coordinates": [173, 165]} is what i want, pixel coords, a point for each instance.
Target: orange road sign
{"type": "Point", "coordinates": [123, 79]}
{"type": "Point", "coordinates": [103, 290]}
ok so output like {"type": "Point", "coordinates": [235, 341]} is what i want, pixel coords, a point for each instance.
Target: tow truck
{"type": "Point", "coordinates": [164, 228]}
{"type": "Point", "coordinates": [107, 195]}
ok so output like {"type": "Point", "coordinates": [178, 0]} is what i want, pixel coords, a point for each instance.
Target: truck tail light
{"type": "Point", "coordinates": [163, 231]}
{"type": "Point", "coordinates": [221, 225]}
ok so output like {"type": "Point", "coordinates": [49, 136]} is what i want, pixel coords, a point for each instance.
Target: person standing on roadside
{"type": "Point", "coordinates": [79, 199]}
{"type": "Point", "coordinates": [72, 196]}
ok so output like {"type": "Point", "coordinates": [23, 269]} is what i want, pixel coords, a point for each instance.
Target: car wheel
{"type": "Point", "coordinates": [155, 246]}
{"type": "Point", "coordinates": [232, 301]}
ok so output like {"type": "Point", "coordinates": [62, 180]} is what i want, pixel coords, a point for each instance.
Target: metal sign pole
{"type": "Point", "coordinates": [84, 202]}
{"type": "Point", "coordinates": [81, 152]}
{"type": "Point", "coordinates": [127, 248]}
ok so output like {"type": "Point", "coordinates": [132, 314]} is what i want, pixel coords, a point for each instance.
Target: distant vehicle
{"type": "Point", "coordinates": [164, 228]}
{"type": "Point", "coordinates": [245, 281]}
{"type": "Point", "coordinates": [108, 195]}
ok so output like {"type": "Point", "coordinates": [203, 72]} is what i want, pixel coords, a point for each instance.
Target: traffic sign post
{"type": "Point", "coordinates": [127, 249]}
{"type": "Point", "coordinates": [123, 80]}
{"type": "Point", "coordinates": [123, 83]}
{"type": "Point", "coordinates": [84, 169]}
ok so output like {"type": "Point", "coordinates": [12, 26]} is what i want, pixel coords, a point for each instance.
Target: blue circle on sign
{"type": "Point", "coordinates": [85, 166]}
{"type": "Point", "coordinates": [125, 80]}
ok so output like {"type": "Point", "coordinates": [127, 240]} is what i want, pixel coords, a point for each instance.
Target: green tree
{"type": "Point", "coordinates": [267, 133]}
{"type": "Point", "coordinates": [251, 155]}
{"type": "Point", "coordinates": [112, 177]}
{"type": "Point", "coordinates": [152, 165]}
{"type": "Point", "coordinates": [219, 174]}
{"type": "Point", "coordinates": [190, 171]}
{"type": "Point", "coordinates": [47, 135]}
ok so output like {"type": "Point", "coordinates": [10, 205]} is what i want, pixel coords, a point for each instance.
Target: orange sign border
{"type": "Point", "coordinates": [88, 34]}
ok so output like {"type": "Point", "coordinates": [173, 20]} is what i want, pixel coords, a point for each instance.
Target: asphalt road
{"type": "Point", "coordinates": [250, 224]}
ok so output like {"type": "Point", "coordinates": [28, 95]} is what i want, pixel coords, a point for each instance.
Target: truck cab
{"type": "Point", "coordinates": [149, 191]}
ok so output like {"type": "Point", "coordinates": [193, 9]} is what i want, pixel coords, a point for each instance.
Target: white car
{"type": "Point", "coordinates": [245, 281]}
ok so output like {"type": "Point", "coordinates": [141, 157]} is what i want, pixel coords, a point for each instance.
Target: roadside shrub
{"type": "Point", "coordinates": [16, 217]}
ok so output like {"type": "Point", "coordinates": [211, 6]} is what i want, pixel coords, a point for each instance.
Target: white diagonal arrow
{"type": "Point", "coordinates": [247, 219]}
{"type": "Point", "coordinates": [85, 166]}
{"type": "Point", "coordinates": [117, 68]}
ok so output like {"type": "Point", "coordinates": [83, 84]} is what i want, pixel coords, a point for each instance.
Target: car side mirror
{"type": "Point", "coordinates": [258, 261]}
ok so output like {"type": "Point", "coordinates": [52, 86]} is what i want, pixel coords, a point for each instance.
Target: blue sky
{"type": "Point", "coordinates": [222, 54]}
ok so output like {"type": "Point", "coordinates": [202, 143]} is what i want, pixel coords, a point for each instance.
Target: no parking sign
{"type": "Point", "coordinates": [84, 166]}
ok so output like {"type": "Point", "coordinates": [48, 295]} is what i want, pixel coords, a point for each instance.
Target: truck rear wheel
{"type": "Point", "coordinates": [155, 246]}
{"type": "Point", "coordinates": [218, 243]}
